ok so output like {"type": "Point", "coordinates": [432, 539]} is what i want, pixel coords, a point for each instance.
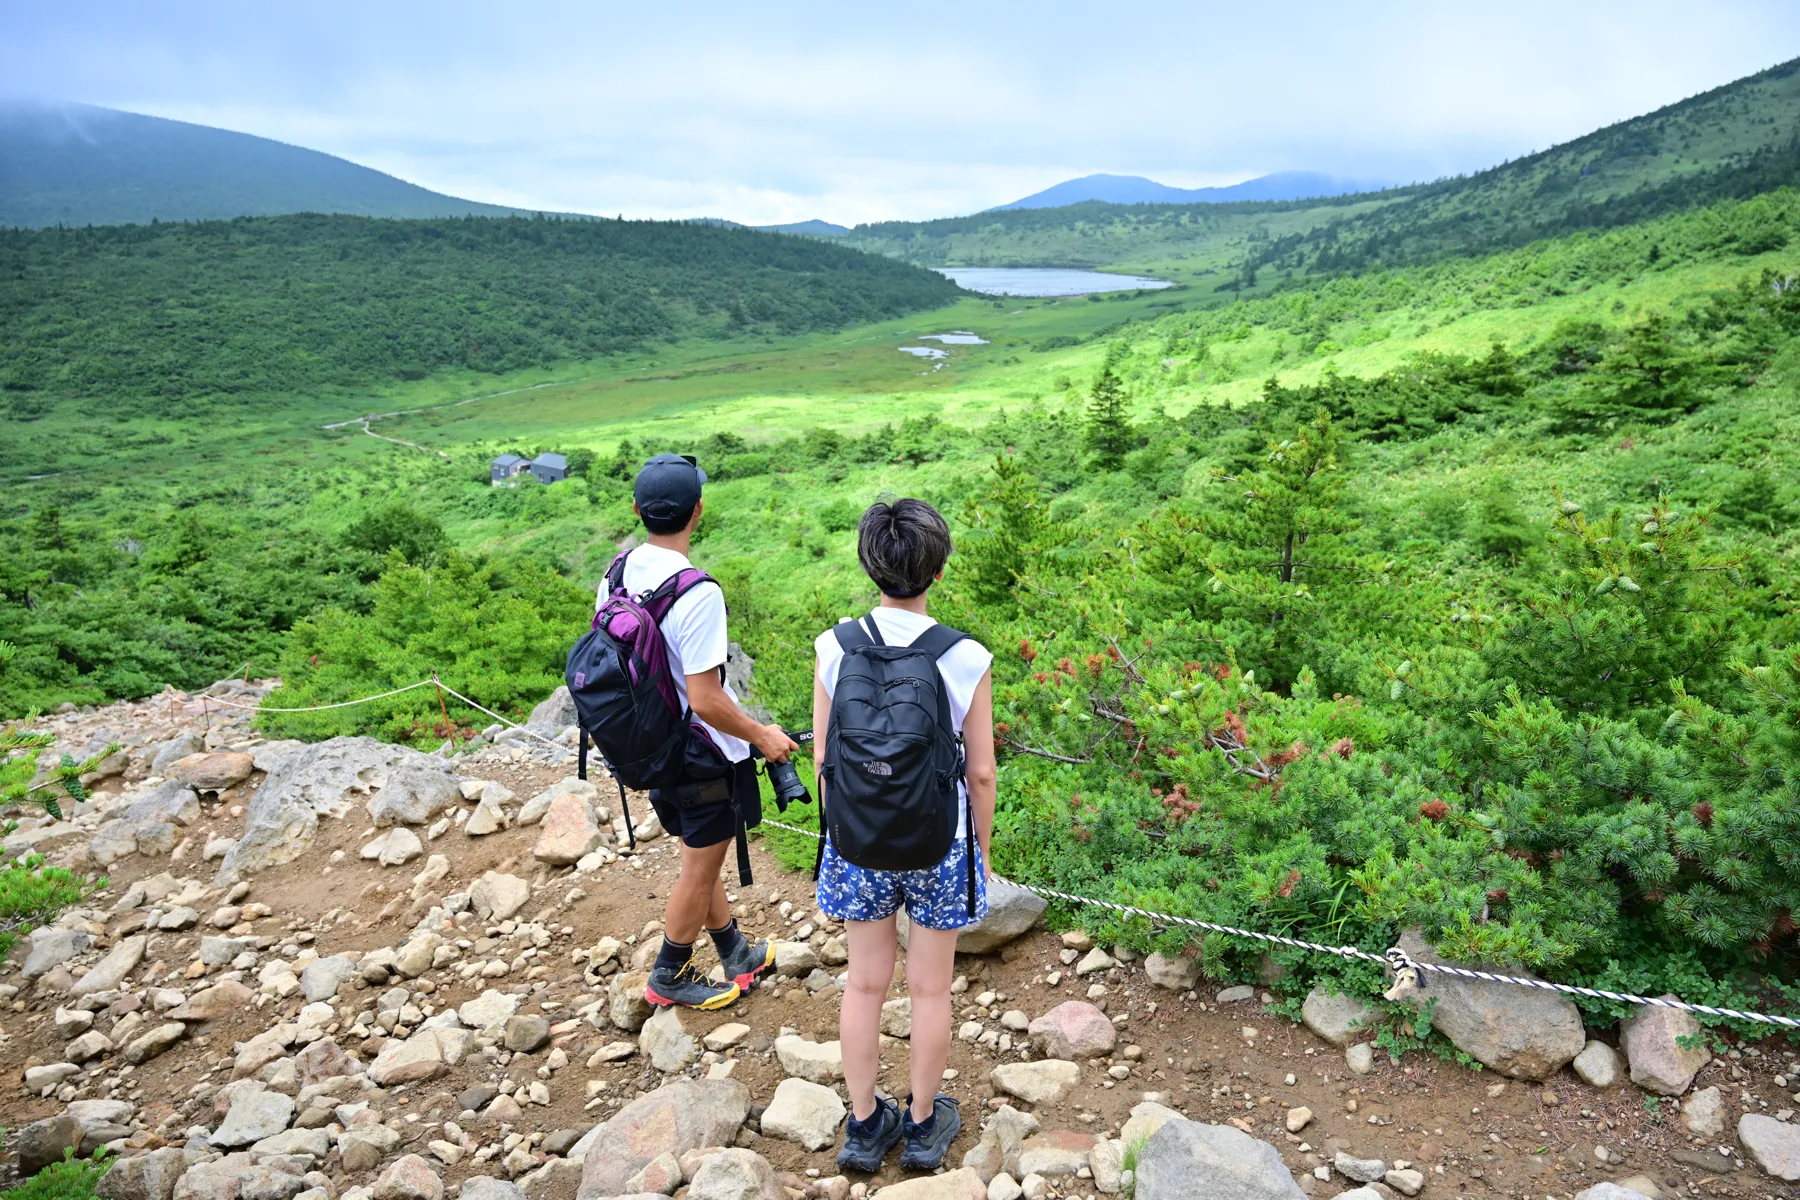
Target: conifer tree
{"type": "Point", "coordinates": [1109, 433]}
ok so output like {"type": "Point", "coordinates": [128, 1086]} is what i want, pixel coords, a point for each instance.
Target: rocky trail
{"type": "Point", "coordinates": [353, 971]}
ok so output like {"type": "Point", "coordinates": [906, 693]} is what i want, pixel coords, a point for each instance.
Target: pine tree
{"type": "Point", "coordinates": [1109, 433]}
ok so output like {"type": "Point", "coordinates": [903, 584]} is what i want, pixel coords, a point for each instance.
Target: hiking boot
{"type": "Point", "coordinates": [864, 1152]}
{"type": "Point", "coordinates": [687, 987]}
{"type": "Point", "coordinates": [925, 1151]}
{"type": "Point", "coordinates": [750, 960]}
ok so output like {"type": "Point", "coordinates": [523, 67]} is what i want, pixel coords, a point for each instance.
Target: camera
{"type": "Point", "coordinates": [784, 777]}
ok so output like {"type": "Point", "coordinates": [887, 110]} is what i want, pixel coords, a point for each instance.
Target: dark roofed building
{"type": "Point", "coordinates": [549, 467]}
{"type": "Point", "coordinates": [502, 469]}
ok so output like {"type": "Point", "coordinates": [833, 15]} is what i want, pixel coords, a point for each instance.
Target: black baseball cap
{"type": "Point", "coordinates": [668, 486]}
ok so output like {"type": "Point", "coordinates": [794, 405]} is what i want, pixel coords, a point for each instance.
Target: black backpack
{"type": "Point", "coordinates": [893, 759]}
{"type": "Point", "coordinates": [625, 697]}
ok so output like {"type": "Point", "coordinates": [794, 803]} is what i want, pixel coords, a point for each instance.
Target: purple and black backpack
{"type": "Point", "coordinates": [624, 691]}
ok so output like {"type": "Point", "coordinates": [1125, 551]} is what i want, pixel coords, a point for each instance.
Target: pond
{"type": "Point", "coordinates": [1045, 281]}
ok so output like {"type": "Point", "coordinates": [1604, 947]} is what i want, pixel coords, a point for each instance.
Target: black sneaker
{"type": "Point", "coordinates": [864, 1152]}
{"type": "Point", "coordinates": [750, 960]}
{"type": "Point", "coordinates": [926, 1151]}
{"type": "Point", "coordinates": [687, 987]}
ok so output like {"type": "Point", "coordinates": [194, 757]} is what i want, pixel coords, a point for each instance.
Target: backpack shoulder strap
{"type": "Point", "coordinates": [853, 635]}
{"type": "Point", "coordinates": [663, 598]}
{"type": "Point", "coordinates": [938, 640]}
{"type": "Point", "coordinates": [615, 574]}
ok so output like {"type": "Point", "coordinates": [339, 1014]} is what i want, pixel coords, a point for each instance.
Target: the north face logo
{"type": "Point", "coordinates": [878, 768]}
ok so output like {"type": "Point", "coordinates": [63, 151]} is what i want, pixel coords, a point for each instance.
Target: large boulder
{"type": "Point", "coordinates": [1186, 1160]}
{"type": "Point", "coordinates": [254, 1115]}
{"type": "Point", "coordinates": [111, 970]}
{"type": "Point", "coordinates": [42, 1142]}
{"type": "Point", "coordinates": [497, 896]}
{"type": "Point", "coordinates": [173, 751]}
{"type": "Point", "coordinates": [415, 792]}
{"type": "Point", "coordinates": [1042, 1082]}
{"type": "Point", "coordinates": [213, 772]}
{"type": "Point", "coordinates": [324, 780]}
{"type": "Point", "coordinates": [1652, 1041]}
{"type": "Point", "coordinates": [680, 1116]}
{"type": "Point", "coordinates": [1523, 1032]}
{"type": "Point", "coordinates": [1012, 911]}
{"type": "Point", "coordinates": [664, 1041]}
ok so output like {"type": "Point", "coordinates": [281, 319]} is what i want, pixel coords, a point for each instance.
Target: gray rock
{"type": "Point", "coordinates": [1337, 1018]}
{"type": "Point", "coordinates": [1597, 1064]}
{"type": "Point", "coordinates": [684, 1115]}
{"type": "Point", "coordinates": [52, 948]}
{"type": "Point", "coordinates": [316, 1142]}
{"type": "Point", "coordinates": [1180, 973]}
{"type": "Point", "coordinates": [1012, 911]}
{"type": "Point", "coordinates": [1651, 1042]}
{"type": "Point", "coordinates": [735, 1175]}
{"type": "Point", "coordinates": [149, 1176]}
{"type": "Point", "coordinates": [254, 1115]}
{"type": "Point", "coordinates": [147, 826]}
{"type": "Point", "coordinates": [1186, 1160]}
{"type": "Point", "coordinates": [527, 1034]}
{"type": "Point", "coordinates": [1363, 1170]}
{"type": "Point", "coordinates": [1042, 1082]}
{"type": "Point", "coordinates": [174, 750]}
{"type": "Point", "coordinates": [1360, 1058]}
{"type": "Point", "coordinates": [1704, 1113]}
{"type": "Point", "coordinates": [664, 1041]}
{"type": "Point", "coordinates": [415, 793]}
{"type": "Point", "coordinates": [554, 715]}
{"type": "Point", "coordinates": [42, 1142]}
{"type": "Point", "coordinates": [323, 780]}
{"type": "Point", "coordinates": [807, 1113]}
{"type": "Point", "coordinates": [1773, 1145]}
{"type": "Point", "coordinates": [1236, 995]}
{"type": "Point", "coordinates": [119, 962]}
{"type": "Point", "coordinates": [486, 1187]}
{"type": "Point", "coordinates": [497, 896]}
{"type": "Point", "coordinates": [1522, 1032]}
{"type": "Point", "coordinates": [269, 755]}
{"type": "Point", "coordinates": [217, 951]}
{"type": "Point", "coordinates": [322, 977]}
{"type": "Point", "coordinates": [236, 1177]}
{"type": "Point", "coordinates": [1606, 1191]}
{"type": "Point", "coordinates": [152, 1042]}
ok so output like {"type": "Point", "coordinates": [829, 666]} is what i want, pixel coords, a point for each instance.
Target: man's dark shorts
{"type": "Point", "coordinates": [708, 824]}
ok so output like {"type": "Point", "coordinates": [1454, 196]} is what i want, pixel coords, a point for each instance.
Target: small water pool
{"type": "Point", "coordinates": [1045, 281]}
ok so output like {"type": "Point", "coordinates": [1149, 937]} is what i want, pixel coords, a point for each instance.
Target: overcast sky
{"type": "Point", "coordinates": [853, 113]}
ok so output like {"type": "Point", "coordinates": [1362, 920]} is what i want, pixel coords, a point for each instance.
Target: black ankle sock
{"type": "Point", "coordinates": [727, 940]}
{"type": "Point", "coordinates": [928, 1124]}
{"type": "Point", "coordinates": [870, 1127]}
{"type": "Point", "coordinates": [673, 955]}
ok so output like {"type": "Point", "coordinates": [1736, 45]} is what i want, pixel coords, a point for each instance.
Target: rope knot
{"type": "Point", "coordinates": [1407, 976]}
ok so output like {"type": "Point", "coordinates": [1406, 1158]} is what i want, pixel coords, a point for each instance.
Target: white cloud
{"type": "Point", "coordinates": [832, 111]}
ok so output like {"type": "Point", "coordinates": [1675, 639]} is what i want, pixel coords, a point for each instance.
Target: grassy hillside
{"type": "Point", "coordinates": [1732, 142]}
{"type": "Point", "coordinates": [1526, 681]}
{"type": "Point", "coordinates": [75, 164]}
{"type": "Point", "coordinates": [163, 318]}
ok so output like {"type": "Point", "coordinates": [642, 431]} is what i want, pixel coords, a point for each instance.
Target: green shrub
{"type": "Point", "coordinates": [71, 1179]}
{"type": "Point", "coordinates": [31, 893]}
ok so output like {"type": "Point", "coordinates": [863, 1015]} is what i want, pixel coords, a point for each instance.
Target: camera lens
{"type": "Point", "coordinates": [785, 779]}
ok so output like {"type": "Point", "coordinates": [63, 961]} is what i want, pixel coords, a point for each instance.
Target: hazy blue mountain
{"type": "Point", "coordinates": [1135, 189]}
{"type": "Point", "coordinates": [76, 164]}
{"type": "Point", "coordinates": [814, 227]}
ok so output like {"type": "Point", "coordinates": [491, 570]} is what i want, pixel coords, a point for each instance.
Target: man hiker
{"type": "Point", "coordinates": [705, 819]}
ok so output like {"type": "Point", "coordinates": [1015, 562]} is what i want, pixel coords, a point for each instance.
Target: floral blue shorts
{"type": "Point", "coordinates": [936, 897]}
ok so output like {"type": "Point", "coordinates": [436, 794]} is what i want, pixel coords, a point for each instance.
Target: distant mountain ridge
{"type": "Point", "coordinates": [78, 164]}
{"type": "Point", "coordinates": [1135, 189]}
{"type": "Point", "coordinates": [812, 228]}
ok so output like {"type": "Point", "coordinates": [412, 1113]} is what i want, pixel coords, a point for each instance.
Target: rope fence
{"type": "Point", "coordinates": [1409, 973]}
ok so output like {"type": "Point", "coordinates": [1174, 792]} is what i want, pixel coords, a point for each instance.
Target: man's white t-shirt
{"type": "Point", "coordinates": [961, 668]}
{"type": "Point", "coordinates": [694, 630]}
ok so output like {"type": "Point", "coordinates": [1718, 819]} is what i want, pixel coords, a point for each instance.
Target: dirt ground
{"type": "Point", "coordinates": [1473, 1134]}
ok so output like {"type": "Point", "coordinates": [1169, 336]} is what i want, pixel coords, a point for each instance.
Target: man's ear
{"type": "Point", "coordinates": [694, 521]}
{"type": "Point", "coordinates": [637, 510]}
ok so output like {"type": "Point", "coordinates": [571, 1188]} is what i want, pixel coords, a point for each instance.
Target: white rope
{"type": "Point", "coordinates": [1409, 971]}
{"type": "Point", "coordinates": [205, 699]}
{"type": "Point", "coordinates": [1403, 965]}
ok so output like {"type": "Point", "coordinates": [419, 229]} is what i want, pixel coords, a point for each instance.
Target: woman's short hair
{"type": "Point", "coordinates": [902, 546]}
